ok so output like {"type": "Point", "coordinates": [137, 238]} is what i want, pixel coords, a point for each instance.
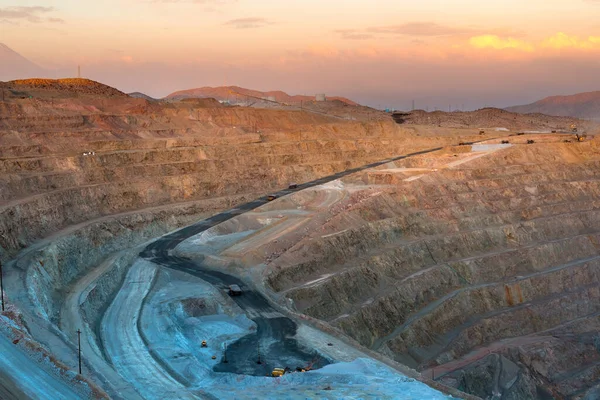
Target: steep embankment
{"type": "Point", "coordinates": [87, 173]}
{"type": "Point", "coordinates": [75, 160]}
{"type": "Point", "coordinates": [438, 268]}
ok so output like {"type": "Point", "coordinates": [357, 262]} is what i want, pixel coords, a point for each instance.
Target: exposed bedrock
{"type": "Point", "coordinates": [481, 254]}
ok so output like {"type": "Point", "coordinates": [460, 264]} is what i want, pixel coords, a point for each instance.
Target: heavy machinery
{"type": "Point", "coordinates": [234, 290]}
{"type": "Point", "coordinates": [203, 344]}
{"type": "Point", "coordinates": [580, 138]}
{"type": "Point", "coordinates": [530, 141]}
{"type": "Point", "coordinates": [277, 372]}
{"type": "Point", "coordinates": [574, 128]}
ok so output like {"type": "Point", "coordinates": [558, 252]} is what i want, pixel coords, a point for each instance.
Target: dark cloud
{"type": "Point", "coordinates": [34, 14]}
{"type": "Point", "coordinates": [248, 23]}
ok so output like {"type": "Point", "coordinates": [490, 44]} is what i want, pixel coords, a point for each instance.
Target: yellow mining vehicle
{"type": "Point", "coordinates": [580, 138]}
{"type": "Point", "coordinates": [203, 344]}
{"type": "Point", "coordinates": [277, 372]}
{"type": "Point", "coordinates": [573, 128]}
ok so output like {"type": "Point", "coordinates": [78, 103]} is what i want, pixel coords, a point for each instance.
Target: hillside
{"type": "Point", "coordinates": [490, 119]}
{"type": "Point", "coordinates": [581, 105]}
{"type": "Point", "coordinates": [88, 174]}
{"type": "Point", "coordinates": [14, 65]}
{"type": "Point", "coordinates": [57, 89]}
{"type": "Point", "coordinates": [140, 95]}
{"type": "Point", "coordinates": [235, 93]}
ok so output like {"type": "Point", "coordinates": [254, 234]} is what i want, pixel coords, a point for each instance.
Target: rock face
{"type": "Point", "coordinates": [438, 261]}
{"type": "Point", "coordinates": [499, 255]}
{"type": "Point", "coordinates": [68, 156]}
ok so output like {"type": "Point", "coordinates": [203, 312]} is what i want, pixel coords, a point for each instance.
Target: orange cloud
{"type": "Point", "coordinates": [498, 43]}
{"type": "Point", "coordinates": [561, 40]}
{"type": "Point", "coordinates": [557, 41]}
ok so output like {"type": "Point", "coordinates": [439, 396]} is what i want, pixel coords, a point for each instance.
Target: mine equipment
{"type": "Point", "coordinates": [482, 132]}
{"type": "Point", "coordinates": [530, 141]}
{"type": "Point", "coordinates": [234, 290]}
{"type": "Point", "coordinates": [310, 364]}
{"type": "Point", "coordinates": [505, 142]}
{"type": "Point", "coordinates": [277, 372]}
{"type": "Point", "coordinates": [293, 186]}
{"type": "Point", "coordinates": [271, 197]}
{"type": "Point", "coordinates": [573, 128]}
{"type": "Point", "coordinates": [567, 141]}
{"type": "Point", "coordinates": [580, 138]}
{"type": "Point", "coordinates": [203, 344]}
{"type": "Point", "coordinates": [214, 357]}
{"type": "Point", "coordinates": [520, 133]}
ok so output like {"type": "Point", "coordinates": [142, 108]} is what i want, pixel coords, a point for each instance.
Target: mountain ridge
{"type": "Point", "coordinates": [236, 92]}
{"type": "Point", "coordinates": [15, 66]}
{"type": "Point", "coordinates": [579, 105]}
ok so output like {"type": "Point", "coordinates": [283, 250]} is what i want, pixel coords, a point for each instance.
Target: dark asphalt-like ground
{"type": "Point", "coordinates": [274, 337]}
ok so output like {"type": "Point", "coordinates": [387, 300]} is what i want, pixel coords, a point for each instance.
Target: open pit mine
{"type": "Point", "coordinates": [186, 249]}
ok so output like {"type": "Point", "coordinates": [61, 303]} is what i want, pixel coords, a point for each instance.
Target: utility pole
{"type": "Point", "coordinates": [258, 350]}
{"type": "Point", "coordinates": [1, 286]}
{"type": "Point", "coordinates": [79, 347]}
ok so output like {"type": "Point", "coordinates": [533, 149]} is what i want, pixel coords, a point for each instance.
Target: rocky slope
{"type": "Point", "coordinates": [492, 120]}
{"type": "Point", "coordinates": [467, 268]}
{"type": "Point", "coordinates": [424, 260]}
{"type": "Point", "coordinates": [88, 173]}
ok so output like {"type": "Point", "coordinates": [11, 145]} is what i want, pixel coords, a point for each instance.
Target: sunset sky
{"type": "Point", "coordinates": [379, 52]}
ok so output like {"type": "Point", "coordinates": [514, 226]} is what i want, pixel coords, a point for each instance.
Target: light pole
{"type": "Point", "coordinates": [79, 348]}
{"type": "Point", "coordinates": [1, 286]}
{"type": "Point", "coordinates": [258, 349]}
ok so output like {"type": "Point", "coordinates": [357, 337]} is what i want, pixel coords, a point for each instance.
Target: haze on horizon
{"type": "Point", "coordinates": [383, 53]}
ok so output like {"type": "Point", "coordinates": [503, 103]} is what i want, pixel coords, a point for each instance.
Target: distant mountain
{"type": "Point", "coordinates": [15, 66]}
{"type": "Point", "coordinates": [140, 95]}
{"type": "Point", "coordinates": [582, 105]}
{"type": "Point", "coordinates": [235, 93]}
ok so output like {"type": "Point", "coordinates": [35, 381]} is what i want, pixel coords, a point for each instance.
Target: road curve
{"type": "Point", "coordinates": [273, 344]}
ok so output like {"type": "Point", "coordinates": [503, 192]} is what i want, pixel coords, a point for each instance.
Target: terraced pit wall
{"type": "Point", "coordinates": [501, 253]}
{"type": "Point", "coordinates": [180, 164]}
